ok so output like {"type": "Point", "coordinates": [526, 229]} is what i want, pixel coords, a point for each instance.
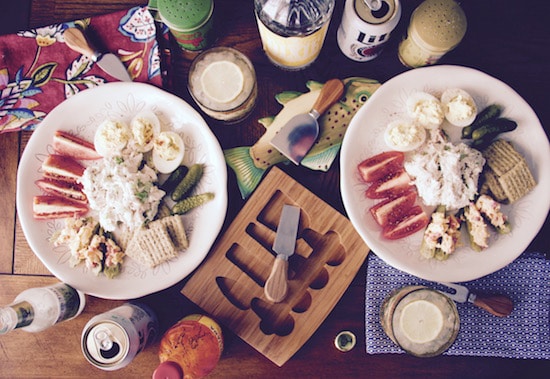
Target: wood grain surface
{"type": "Point", "coordinates": [229, 285]}
{"type": "Point", "coordinates": [508, 40]}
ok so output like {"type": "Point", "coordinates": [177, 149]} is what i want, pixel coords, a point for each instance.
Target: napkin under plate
{"type": "Point", "coordinates": [38, 70]}
{"type": "Point", "coordinates": [523, 334]}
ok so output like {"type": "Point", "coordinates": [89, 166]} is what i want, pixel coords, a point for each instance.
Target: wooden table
{"type": "Point", "coordinates": [508, 40]}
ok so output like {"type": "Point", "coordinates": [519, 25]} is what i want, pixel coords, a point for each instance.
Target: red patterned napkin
{"type": "Point", "coordinates": [38, 70]}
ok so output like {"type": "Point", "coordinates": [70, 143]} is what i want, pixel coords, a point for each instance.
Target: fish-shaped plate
{"type": "Point", "coordinates": [251, 162]}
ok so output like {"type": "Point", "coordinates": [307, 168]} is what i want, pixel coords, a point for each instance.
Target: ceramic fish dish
{"type": "Point", "coordinates": [251, 162]}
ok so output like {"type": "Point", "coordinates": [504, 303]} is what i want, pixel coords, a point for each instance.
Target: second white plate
{"type": "Point", "coordinates": [364, 138]}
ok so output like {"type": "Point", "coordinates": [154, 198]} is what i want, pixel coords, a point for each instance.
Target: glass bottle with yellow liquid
{"type": "Point", "coordinates": [292, 31]}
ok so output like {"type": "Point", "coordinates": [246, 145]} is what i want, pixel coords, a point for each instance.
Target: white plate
{"type": "Point", "coordinates": [81, 114]}
{"type": "Point", "coordinates": [364, 138]}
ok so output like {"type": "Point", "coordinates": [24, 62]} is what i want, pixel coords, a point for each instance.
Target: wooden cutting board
{"type": "Point", "coordinates": [229, 283]}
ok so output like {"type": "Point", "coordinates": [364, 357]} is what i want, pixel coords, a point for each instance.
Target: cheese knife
{"type": "Point", "coordinates": [498, 305]}
{"type": "Point", "coordinates": [298, 135]}
{"type": "Point", "coordinates": [276, 286]}
{"type": "Point", "coordinates": [109, 62]}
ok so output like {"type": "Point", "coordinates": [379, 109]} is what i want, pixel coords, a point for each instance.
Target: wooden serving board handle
{"type": "Point", "coordinates": [276, 285]}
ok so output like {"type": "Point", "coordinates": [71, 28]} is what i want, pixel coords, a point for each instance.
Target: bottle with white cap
{"type": "Point", "coordinates": [37, 309]}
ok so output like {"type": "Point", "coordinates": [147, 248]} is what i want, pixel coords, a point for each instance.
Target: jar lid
{"type": "Point", "coordinates": [439, 24]}
{"type": "Point", "coordinates": [345, 341]}
{"type": "Point", "coordinates": [185, 15]}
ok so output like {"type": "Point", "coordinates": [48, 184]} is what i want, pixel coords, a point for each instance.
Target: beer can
{"type": "Point", "coordinates": [364, 31]}
{"type": "Point", "coordinates": [111, 340]}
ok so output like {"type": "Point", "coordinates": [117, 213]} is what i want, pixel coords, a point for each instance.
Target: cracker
{"type": "Point", "coordinates": [501, 156]}
{"type": "Point", "coordinates": [152, 246]}
{"type": "Point", "coordinates": [123, 237]}
{"type": "Point", "coordinates": [163, 210]}
{"type": "Point", "coordinates": [133, 250]}
{"type": "Point", "coordinates": [493, 185]}
{"type": "Point", "coordinates": [507, 174]}
{"type": "Point", "coordinates": [517, 182]}
{"type": "Point", "coordinates": [176, 231]}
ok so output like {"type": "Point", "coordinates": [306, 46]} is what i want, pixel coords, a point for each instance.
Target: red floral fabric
{"type": "Point", "coordinates": [38, 70]}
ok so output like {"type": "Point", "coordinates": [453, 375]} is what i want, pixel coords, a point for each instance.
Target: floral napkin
{"type": "Point", "coordinates": [525, 333]}
{"type": "Point", "coordinates": [38, 70]}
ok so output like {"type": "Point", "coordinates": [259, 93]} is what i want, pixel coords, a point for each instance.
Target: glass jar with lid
{"type": "Point", "coordinates": [436, 27]}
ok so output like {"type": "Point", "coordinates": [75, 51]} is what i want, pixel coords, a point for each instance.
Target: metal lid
{"type": "Point", "coordinates": [385, 12]}
{"type": "Point", "coordinates": [345, 341]}
{"type": "Point", "coordinates": [105, 344]}
{"type": "Point", "coordinates": [439, 24]}
{"type": "Point", "coordinates": [185, 15]}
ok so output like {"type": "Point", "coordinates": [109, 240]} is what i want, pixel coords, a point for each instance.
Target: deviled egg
{"type": "Point", "coordinates": [168, 150]}
{"type": "Point", "coordinates": [404, 135]}
{"type": "Point", "coordinates": [459, 107]}
{"type": "Point", "coordinates": [145, 127]}
{"type": "Point", "coordinates": [425, 109]}
{"type": "Point", "coordinates": [111, 137]}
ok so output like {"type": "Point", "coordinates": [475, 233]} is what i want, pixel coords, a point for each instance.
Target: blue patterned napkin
{"type": "Point", "coordinates": [523, 334]}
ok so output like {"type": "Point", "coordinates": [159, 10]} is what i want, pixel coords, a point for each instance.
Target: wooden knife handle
{"type": "Point", "coordinates": [76, 40]}
{"type": "Point", "coordinates": [331, 92]}
{"type": "Point", "coordinates": [276, 286]}
{"type": "Point", "coordinates": [498, 305]}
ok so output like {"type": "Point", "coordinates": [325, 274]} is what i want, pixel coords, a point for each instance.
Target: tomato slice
{"type": "Point", "coordinates": [391, 186]}
{"type": "Point", "coordinates": [392, 210]}
{"type": "Point", "coordinates": [381, 165]}
{"type": "Point", "coordinates": [415, 220]}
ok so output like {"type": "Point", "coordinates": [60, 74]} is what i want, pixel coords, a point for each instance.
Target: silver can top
{"type": "Point", "coordinates": [105, 344]}
{"type": "Point", "coordinates": [376, 12]}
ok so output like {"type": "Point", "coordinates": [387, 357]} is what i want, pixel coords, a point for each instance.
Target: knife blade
{"type": "Point", "coordinates": [498, 305]}
{"type": "Point", "coordinates": [276, 285]}
{"type": "Point", "coordinates": [297, 136]}
{"type": "Point", "coordinates": [109, 62]}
